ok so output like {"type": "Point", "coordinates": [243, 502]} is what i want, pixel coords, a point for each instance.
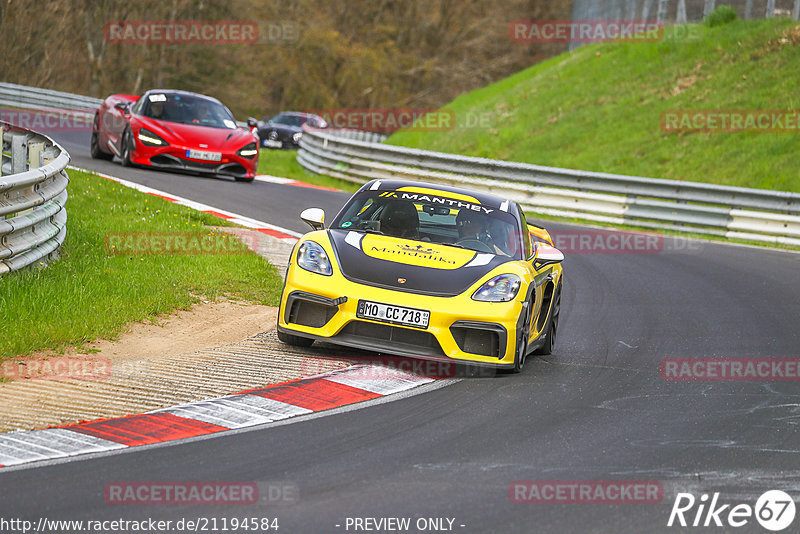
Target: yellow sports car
{"type": "Point", "coordinates": [425, 271]}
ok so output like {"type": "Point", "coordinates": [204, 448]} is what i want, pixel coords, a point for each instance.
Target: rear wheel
{"type": "Point", "coordinates": [94, 144]}
{"type": "Point", "coordinates": [295, 341]}
{"type": "Point", "coordinates": [125, 149]}
{"type": "Point", "coordinates": [552, 329]}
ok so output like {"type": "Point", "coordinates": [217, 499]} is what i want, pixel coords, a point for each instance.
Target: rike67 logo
{"type": "Point", "coordinates": [774, 510]}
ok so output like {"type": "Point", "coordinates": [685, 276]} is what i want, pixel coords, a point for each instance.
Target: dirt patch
{"type": "Point", "coordinates": [790, 37]}
{"type": "Point", "coordinates": [214, 349]}
{"type": "Point", "coordinates": [206, 324]}
{"type": "Point", "coordinates": [687, 82]}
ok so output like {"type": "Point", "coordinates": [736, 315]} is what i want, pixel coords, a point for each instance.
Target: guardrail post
{"type": "Point", "coordinates": [796, 10]}
{"type": "Point", "coordinates": [18, 156]}
{"type": "Point", "coordinates": [708, 8]}
{"type": "Point", "coordinates": [35, 155]}
{"type": "Point", "coordinates": [770, 9]}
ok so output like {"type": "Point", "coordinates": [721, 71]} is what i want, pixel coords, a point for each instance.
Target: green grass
{"type": "Point", "coordinates": [90, 294]}
{"type": "Point", "coordinates": [599, 108]}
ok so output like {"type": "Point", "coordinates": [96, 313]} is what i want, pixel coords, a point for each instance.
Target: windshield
{"type": "Point", "coordinates": [290, 120]}
{"type": "Point", "coordinates": [433, 219]}
{"type": "Point", "coordinates": [187, 109]}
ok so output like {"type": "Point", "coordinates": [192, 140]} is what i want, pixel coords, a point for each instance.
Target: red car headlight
{"type": "Point", "coordinates": [248, 151]}
{"type": "Point", "coordinates": [149, 138]}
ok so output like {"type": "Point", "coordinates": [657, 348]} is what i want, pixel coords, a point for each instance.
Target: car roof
{"type": "Point", "coordinates": [485, 199]}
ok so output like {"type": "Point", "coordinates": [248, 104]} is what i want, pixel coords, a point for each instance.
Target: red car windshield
{"type": "Point", "coordinates": [187, 109]}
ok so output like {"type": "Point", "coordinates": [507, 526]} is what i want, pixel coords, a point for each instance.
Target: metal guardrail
{"type": "Point", "coordinates": [26, 97]}
{"type": "Point", "coordinates": [33, 192]}
{"type": "Point", "coordinates": [732, 212]}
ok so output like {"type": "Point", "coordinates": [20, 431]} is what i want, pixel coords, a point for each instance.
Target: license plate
{"type": "Point", "coordinates": [273, 144]}
{"type": "Point", "coordinates": [205, 156]}
{"type": "Point", "coordinates": [388, 313]}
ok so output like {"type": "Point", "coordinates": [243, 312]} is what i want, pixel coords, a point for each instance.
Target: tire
{"type": "Point", "coordinates": [552, 328]}
{"type": "Point", "coordinates": [295, 341]}
{"type": "Point", "coordinates": [94, 146]}
{"type": "Point", "coordinates": [125, 149]}
{"type": "Point", "coordinates": [522, 341]}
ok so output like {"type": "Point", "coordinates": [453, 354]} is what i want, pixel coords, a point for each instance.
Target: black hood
{"type": "Point", "coordinates": [408, 265]}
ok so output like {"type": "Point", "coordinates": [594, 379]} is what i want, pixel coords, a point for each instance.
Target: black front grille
{"type": "Point", "coordinates": [232, 169]}
{"type": "Point", "coordinates": [485, 339]}
{"type": "Point", "coordinates": [393, 335]}
{"type": "Point", "coordinates": [313, 314]}
{"type": "Point", "coordinates": [166, 159]}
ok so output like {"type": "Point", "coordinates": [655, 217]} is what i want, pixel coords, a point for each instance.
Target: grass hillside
{"type": "Point", "coordinates": [599, 108]}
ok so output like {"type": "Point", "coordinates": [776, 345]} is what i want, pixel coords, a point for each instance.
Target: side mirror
{"type": "Point", "coordinates": [314, 217]}
{"type": "Point", "coordinates": [251, 122]}
{"type": "Point", "coordinates": [545, 255]}
{"type": "Point", "coordinates": [124, 107]}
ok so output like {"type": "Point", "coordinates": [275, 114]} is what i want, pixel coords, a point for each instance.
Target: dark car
{"type": "Point", "coordinates": [285, 129]}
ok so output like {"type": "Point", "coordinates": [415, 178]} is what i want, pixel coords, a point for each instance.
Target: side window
{"type": "Point", "coordinates": [526, 235]}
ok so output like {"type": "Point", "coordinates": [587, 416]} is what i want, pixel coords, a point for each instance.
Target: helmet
{"type": "Point", "coordinates": [470, 223]}
{"type": "Point", "coordinates": [400, 219]}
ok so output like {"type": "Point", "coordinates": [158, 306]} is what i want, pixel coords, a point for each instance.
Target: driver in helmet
{"type": "Point", "coordinates": [157, 109]}
{"type": "Point", "coordinates": [473, 226]}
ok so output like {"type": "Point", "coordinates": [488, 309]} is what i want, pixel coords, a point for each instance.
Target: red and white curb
{"type": "Point", "coordinates": [289, 181]}
{"type": "Point", "coordinates": [260, 226]}
{"type": "Point", "coordinates": [249, 408]}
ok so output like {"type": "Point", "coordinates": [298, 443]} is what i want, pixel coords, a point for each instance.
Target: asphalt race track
{"type": "Point", "coordinates": [598, 409]}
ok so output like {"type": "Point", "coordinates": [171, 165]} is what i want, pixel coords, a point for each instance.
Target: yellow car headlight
{"type": "Point", "coordinates": [312, 257]}
{"type": "Point", "coordinates": [501, 288]}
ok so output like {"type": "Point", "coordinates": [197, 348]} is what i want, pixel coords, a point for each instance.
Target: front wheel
{"type": "Point", "coordinates": [295, 341]}
{"type": "Point", "coordinates": [522, 340]}
{"type": "Point", "coordinates": [552, 329]}
{"type": "Point", "coordinates": [125, 150]}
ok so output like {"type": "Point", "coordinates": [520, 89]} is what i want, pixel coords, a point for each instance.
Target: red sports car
{"type": "Point", "coordinates": [175, 130]}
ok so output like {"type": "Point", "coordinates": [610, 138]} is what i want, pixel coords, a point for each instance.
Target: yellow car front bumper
{"type": "Point", "coordinates": [459, 329]}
